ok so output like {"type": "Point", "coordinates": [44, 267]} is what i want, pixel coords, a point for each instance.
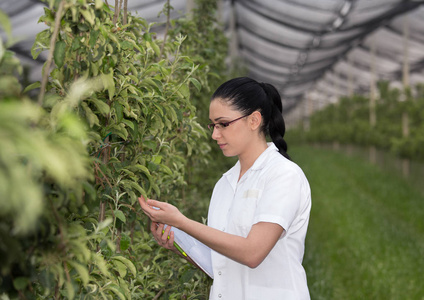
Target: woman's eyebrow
{"type": "Point", "coordinates": [217, 119]}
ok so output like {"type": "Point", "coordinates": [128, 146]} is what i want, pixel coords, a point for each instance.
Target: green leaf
{"type": "Point", "coordinates": [116, 290]}
{"type": "Point", "coordinates": [102, 225]}
{"type": "Point", "coordinates": [82, 251]}
{"type": "Point", "coordinates": [196, 83]}
{"type": "Point", "coordinates": [70, 290]}
{"type": "Point", "coordinates": [136, 186]}
{"type": "Point", "coordinates": [109, 83]}
{"type": "Point", "coordinates": [88, 15]}
{"type": "Point", "coordinates": [32, 86]}
{"type": "Point", "coordinates": [126, 45]}
{"type": "Point", "coordinates": [125, 242]}
{"type": "Point", "coordinates": [157, 159]}
{"type": "Point", "coordinates": [128, 172]}
{"type": "Point", "coordinates": [91, 117]}
{"type": "Point", "coordinates": [121, 131]}
{"type": "Point", "coordinates": [94, 34]}
{"type": "Point", "coordinates": [171, 112]}
{"type": "Point", "coordinates": [134, 70]}
{"type": "Point", "coordinates": [127, 263]}
{"type": "Point", "coordinates": [5, 24]}
{"type": "Point", "coordinates": [20, 283]}
{"type": "Point", "coordinates": [119, 111]}
{"type": "Point", "coordinates": [59, 53]}
{"type": "Point", "coordinates": [121, 268]}
{"type": "Point", "coordinates": [114, 39]}
{"type": "Point", "coordinates": [101, 264]}
{"type": "Point", "coordinates": [99, 4]}
{"type": "Point", "coordinates": [189, 149]}
{"type": "Point", "coordinates": [94, 68]}
{"type": "Point", "coordinates": [75, 44]}
{"type": "Point", "coordinates": [82, 271]}
{"type": "Point", "coordinates": [155, 48]}
{"type": "Point", "coordinates": [184, 91]}
{"type": "Point", "coordinates": [101, 106]}
{"type": "Point", "coordinates": [166, 169]}
{"type": "Point", "coordinates": [143, 169]}
{"type": "Point", "coordinates": [156, 188]}
{"type": "Point", "coordinates": [128, 123]}
{"type": "Point", "coordinates": [120, 215]}
{"type": "Point", "coordinates": [42, 39]}
{"type": "Point", "coordinates": [133, 197]}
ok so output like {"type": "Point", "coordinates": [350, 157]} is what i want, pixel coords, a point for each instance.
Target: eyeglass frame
{"type": "Point", "coordinates": [223, 125]}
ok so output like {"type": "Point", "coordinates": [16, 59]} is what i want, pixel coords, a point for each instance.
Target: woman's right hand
{"type": "Point", "coordinates": [163, 236]}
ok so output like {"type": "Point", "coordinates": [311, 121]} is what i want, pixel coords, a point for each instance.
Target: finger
{"type": "Point", "coordinates": [153, 226]}
{"type": "Point", "coordinates": [167, 231]}
{"type": "Point", "coordinates": [171, 238]}
{"type": "Point", "coordinates": [147, 210]}
{"type": "Point", "coordinates": [165, 234]}
{"type": "Point", "coordinates": [159, 229]}
{"type": "Point", "coordinates": [155, 203]}
{"type": "Point", "coordinates": [156, 231]}
{"type": "Point", "coordinates": [142, 202]}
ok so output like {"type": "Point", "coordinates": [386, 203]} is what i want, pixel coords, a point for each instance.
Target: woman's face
{"type": "Point", "coordinates": [233, 139]}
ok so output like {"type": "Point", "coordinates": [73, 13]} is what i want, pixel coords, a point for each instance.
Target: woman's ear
{"type": "Point", "coordinates": [255, 120]}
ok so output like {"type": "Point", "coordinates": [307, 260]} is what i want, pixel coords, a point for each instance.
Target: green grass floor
{"type": "Point", "coordinates": [366, 232]}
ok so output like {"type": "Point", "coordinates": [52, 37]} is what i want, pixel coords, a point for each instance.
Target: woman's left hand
{"type": "Point", "coordinates": [161, 212]}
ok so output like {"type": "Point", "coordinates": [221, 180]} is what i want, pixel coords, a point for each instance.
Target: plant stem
{"type": "Point", "coordinates": [115, 16]}
{"type": "Point", "coordinates": [159, 294]}
{"type": "Point", "coordinates": [124, 22]}
{"type": "Point", "coordinates": [168, 12]}
{"type": "Point", "coordinates": [114, 221]}
{"type": "Point", "coordinates": [46, 69]}
{"type": "Point", "coordinates": [118, 240]}
{"type": "Point", "coordinates": [102, 211]}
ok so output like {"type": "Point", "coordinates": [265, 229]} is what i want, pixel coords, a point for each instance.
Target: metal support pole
{"type": "Point", "coordinates": [307, 112]}
{"type": "Point", "coordinates": [336, 144]}
{"type": "Point", "coordinates": [233, 37]}
{"type": "Point", "coordinates": [405, 80]}
{"type": "Point", "coordinates": [373, 86]}
{"type": "Point", "coordinates": [373, 96]}
{"type": "Point", "coordinates": [190, 5]}
{"type": "Point", "coordinates": [350, 78]}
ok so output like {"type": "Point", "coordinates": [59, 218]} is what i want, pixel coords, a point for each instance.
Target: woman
{"type": "Point", "coordinates": [259, 211]}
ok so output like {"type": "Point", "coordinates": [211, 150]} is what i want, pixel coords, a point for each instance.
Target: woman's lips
{"type": "Point", "coordinates": [221, 145]}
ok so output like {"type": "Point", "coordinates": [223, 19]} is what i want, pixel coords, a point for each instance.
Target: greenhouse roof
{"type": "Point", "coordinates": [315, 50]}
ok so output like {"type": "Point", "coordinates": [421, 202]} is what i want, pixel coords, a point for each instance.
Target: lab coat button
{"type": "Point", "coordinates": [219, 296]}
{"type": "Point", "coordinates": [219, 273]}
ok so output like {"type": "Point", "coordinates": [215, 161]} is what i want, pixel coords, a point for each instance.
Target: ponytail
{"type": "Point", "coordinates": [276, 126]}
{"type": "Point", "coordinates": [248, 95]}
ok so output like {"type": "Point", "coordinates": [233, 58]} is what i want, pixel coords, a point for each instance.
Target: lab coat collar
{"type": "Point", "coordinates": [233, 174]}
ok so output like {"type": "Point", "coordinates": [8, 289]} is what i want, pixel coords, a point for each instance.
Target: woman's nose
{"type": "Point", "coordinates": [216, 133]}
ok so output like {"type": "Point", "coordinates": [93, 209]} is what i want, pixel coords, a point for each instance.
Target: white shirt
{"type": "Point", "coordinates": [273, 190]}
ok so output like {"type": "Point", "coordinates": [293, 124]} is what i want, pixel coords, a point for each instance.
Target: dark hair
{"type": "Point", "coordinates": [247, 95]}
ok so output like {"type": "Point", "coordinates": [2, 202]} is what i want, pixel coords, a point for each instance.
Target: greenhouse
{"type": "Point", "coordinates": [106, 102]}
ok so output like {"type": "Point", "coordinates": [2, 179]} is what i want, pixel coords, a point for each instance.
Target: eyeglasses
{"type": "Point", "coordinates": [220, 126]}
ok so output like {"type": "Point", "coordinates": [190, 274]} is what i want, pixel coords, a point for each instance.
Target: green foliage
{"type": "Point", "coordinates": [44, 179]}
{"type": "Point", "coordinates": [118, 121]}
{"type": "Point", "coordinates": [347, 122]}
{"type": "Point", "coordinates": [207, 45]}
{"type": "Point", "coordinates": [365, 236]}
